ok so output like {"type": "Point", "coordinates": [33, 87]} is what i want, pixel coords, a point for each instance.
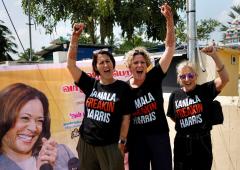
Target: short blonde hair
{"type": "Point", "coordinates": [181, 65]}
{"type": "Point", "coordinates": [141, 50]}
{"type": "Point", "coordinates": [185, 63]}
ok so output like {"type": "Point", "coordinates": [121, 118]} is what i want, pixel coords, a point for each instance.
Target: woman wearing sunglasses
{"type": "Point", "coordinates": [188, 108]}
{"type": "Point", "coordinates": [149, 142]}
{"type": "Point", "coordinates": [104, 128]}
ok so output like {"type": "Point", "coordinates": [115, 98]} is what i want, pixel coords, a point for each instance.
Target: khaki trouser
{"type": "Point", "coordinates": [99, 157]}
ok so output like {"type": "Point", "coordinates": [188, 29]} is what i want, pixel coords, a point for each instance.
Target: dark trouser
{"type": "Point", "coordinates": [93, 157]}
{"type": "Point", "coordinates": [193, 151]}
{"type": "Point", "coordinates": [150, 149]}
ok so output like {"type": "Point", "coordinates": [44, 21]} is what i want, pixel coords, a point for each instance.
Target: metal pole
{"type": "Point", "coordinates": [30, 31]}
{"type": "Point", "coordinates": [13, 26]}
{"type": "Point", "coordinates": [192, 36]}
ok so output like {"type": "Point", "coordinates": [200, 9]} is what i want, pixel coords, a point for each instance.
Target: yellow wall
{"type": "Point", "coordinates": [231, 89]}
{"type": "Point", "coordinates": [226, 54]}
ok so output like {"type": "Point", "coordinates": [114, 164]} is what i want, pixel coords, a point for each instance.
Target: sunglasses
{"type": "Point", "coordinates": [188, 75]}
{"type": "Point", "coordinates": [100, 50]}
{"type": "Point", "coordinates": [137, 52]}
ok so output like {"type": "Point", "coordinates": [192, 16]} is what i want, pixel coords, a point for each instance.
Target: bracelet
{"type": "Point", "coordinates": [122, 141]}
{"type": "Point", "coordinates": [221, 69]}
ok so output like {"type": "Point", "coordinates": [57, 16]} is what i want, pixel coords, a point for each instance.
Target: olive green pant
{"type": "Point", "coordinates": [106, 157]}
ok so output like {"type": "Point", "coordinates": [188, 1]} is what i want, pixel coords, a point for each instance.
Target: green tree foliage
{"type": "Point", "coordinates": [24, 57]}
{"type": "Point", "coordinates": [204, 29]}
{"type": "Point", "coordinates": [91, 12]}
{"type": "Point", "coordinates": [181, 31]}
{"type": "Point", "coordinates": [137, 40]}
{"type": "Point", "coordinates": [128, 14]}
{"type": "Point", "coordinates": [7, 43]}
{"type": "Point", "coordinates": [234, 13]}
{"type": "Point", "coordinates": [135, 14]}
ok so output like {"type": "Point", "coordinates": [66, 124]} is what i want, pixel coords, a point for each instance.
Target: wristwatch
{"type": "Point", "coordinates": [122, 141]}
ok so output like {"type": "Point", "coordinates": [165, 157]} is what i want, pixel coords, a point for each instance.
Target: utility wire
{"type": "Point", "coordinates": [13, 25]}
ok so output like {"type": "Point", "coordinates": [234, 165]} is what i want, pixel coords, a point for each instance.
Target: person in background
{"type": "Point", "coordinates": [25, 131]}
{"type": "Point", "coordinates": [148, 139]}
{"type": "Point", "coordinates": [104, 128]}
{"type": "Point", "coordinates": [188, 108]}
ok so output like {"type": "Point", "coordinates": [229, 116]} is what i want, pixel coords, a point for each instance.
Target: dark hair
{"type": "Point", "coordinates": [12, 99]}
{"type": "Point", "coordinates": [95, 57]}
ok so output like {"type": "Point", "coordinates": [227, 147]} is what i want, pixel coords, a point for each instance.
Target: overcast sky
{"type": "Point", "coordinates": [205, 9]}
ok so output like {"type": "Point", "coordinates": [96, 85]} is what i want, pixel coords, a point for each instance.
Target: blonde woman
{"type": "Point", "coordinates": [148, 141]}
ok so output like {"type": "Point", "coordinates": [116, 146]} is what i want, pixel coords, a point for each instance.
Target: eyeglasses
{"type": "Point", "coordinates": [188, 75]}
{"type": "Point", "coordinates": [100, 50]}
{"type": "Point", "coordinates": [136, 52]}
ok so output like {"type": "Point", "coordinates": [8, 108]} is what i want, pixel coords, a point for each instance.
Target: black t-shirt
{"type": "Point", "coordinates": [149, 116]}
{"type": "Point", "coordinates": [104, 108]}
{"type": "Point", "coordinates": [189, 109]}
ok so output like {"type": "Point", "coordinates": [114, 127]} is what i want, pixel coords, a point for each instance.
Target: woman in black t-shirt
{"type": "Point", "coordinates": [149, 141]}
{"type": "Point", "coordinates": [106, 120]}
{"type": "Point", "coordinates": [188, 108]}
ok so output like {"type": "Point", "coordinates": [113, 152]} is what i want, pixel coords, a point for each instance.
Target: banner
{"type": "Point", "coordinates": [66, 100]}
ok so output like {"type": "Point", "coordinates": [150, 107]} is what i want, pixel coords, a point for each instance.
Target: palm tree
{"type": "Point", "coordinates": [24, 56]}
{"type": "Point", "coordinates": [7, 45]}
{"type": "Point", "coordinates": [234, 14]}
{"type": "Point", "coordinates": [231, 32]}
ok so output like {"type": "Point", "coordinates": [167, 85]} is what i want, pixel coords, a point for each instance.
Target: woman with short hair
{"type": "Point", "coordinates": [189, 108]}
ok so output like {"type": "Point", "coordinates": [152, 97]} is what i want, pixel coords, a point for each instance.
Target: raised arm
{"type": "Point", "coordinates": [170, 38]}
{"type": "Point", "coordinates": [72, 52]}
{"type": "Point", "coordinates": [223, 78]}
